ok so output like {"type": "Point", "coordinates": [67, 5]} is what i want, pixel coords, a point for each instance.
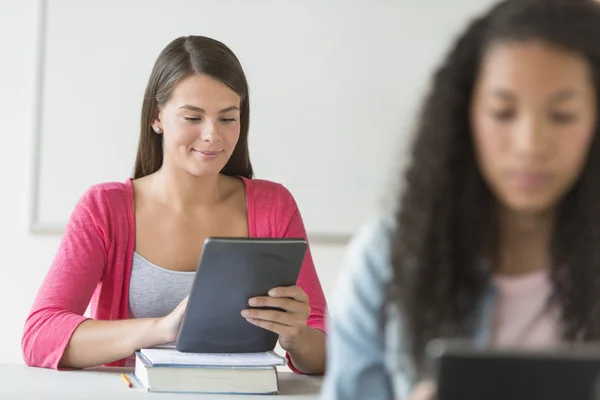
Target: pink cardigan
{"type": "Point", "coordinates": [93, 264]}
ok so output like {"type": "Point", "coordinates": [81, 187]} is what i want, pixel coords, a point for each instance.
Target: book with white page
{"type": "Point", "coordinates": [172, 357]}
{"type": "Point", "coordinates": [165, 369]}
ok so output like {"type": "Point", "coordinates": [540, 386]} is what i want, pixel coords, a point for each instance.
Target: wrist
{"type": "Point", "coordinates": [309, 356]}
{"type": "Point", "coordinates": [150, 334]}
{"type": "Point", "coordinates": [158, 331]}
{"type": "Point", "coordinates": [301, 345]}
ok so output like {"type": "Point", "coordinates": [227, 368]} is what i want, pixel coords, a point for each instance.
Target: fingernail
{"type": "Point", "coordinates": [244, 313]}
{"type": "Point", "coordinates": [252, 302]}
{"type": "Point", "coordinates": [272, 292]}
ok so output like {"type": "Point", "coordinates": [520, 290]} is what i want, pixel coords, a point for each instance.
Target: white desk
{"type": "Point", "coordinates": [20, 382]}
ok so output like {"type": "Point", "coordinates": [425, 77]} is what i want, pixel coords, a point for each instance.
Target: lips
{"type": "Point", "coordinates": [530, 180]}
{"type": "Point", "coordinates": [207, 155]}
{"type": "Point", "coordinates": [208, 152]}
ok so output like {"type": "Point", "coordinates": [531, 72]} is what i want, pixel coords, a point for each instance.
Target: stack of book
{"type": "Point", "coordinates": [168, 370]}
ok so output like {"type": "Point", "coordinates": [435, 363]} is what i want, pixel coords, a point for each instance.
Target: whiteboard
{"type": "Point", "coordinates": [334, 86]}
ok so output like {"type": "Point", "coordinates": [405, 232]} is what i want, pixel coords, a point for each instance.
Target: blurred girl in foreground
{"type": "Point", "coordinates": [496, 236]}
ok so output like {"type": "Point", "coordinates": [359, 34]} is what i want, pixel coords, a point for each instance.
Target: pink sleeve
{"type": "Point", "coordinates": [66, 291]}
{"type": "Point", "coordinates": [308, 279]}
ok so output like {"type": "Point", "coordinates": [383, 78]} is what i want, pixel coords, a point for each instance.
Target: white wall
{"type": "Point", "coordinates": [25, 257]}
{"type": "Point", "coordinates": [309, 65]}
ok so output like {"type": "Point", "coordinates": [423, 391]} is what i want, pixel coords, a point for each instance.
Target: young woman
{"type": "Point", "coordinates": [496, 237]}
{"type": "Point", "coordinates": [132, 248]}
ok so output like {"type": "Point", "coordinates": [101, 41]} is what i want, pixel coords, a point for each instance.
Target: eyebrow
{"type": "Point", "coordinates": [564, 95]}
{"type": "Point", "coordinates": [503, 94]}
{"type": "Point", "coordinates": [558, 97]}
{"type": "Point", "coordinates": [201, 110]}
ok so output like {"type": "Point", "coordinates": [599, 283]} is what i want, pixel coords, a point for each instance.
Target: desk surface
{"type": "Point", "coordinates": [24, 383]}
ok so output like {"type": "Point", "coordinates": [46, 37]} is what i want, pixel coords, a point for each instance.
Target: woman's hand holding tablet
{"type": "Point", "coordinates": [170, 324]}
{"type": "Point", "coordinates": [287, 314]}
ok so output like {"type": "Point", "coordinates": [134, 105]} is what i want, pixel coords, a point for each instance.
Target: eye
{"type": "Point", "coordinates": [562, 117]}
{"type": "Point", "coordinates": [504, 115]}
{"type": "Point", "coordinates": [192, 119]}
{"type": "Point", "coordinates": [228, 120]}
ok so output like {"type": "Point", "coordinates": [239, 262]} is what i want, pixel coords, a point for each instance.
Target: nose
{"type": "Point", "coordinates": [531, 138]}
{"type": "Point", "coordinates": [210, 131]}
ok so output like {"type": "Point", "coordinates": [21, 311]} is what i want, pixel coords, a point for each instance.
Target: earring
{"type": "Point", "coordinates": [157, 129]}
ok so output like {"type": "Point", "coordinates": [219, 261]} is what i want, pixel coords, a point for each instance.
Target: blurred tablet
{"type": "Point", "coordinates": [230, 272]}
{"type": "Point", "coordinates": [463, 371]}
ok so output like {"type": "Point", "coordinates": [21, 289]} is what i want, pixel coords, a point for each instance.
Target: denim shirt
{"type": "Point", "coordinates": [365, 361]}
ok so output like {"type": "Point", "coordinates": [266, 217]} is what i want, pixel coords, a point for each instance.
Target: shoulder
{"type": "Point", "coordinates": [366, 270]}
{"type": "Point", "coordinates": [366, 264]}
{"type": "Point", "coordinates": [104, 200]}
{"type": "Point", "coordinates": [268, 195]}
{"type": "Point", "coordinates": [371, 246]}
{"type": "Point", "coordinates": [274, 207]}
{"type": "Point", "coordinates": [266, 191]}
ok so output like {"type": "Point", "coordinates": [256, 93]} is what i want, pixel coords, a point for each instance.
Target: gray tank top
{"type": "Point", "coordinates": [155, 291]}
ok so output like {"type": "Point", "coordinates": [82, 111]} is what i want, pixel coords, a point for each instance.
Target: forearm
{"type": "Point", "coordinates": [309, 356]}
{"type": "Point", "coordinates": [99, 342]}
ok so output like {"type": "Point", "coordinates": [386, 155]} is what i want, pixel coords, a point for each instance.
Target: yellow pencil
{"type": "Point", "coordinates": [126, 380]}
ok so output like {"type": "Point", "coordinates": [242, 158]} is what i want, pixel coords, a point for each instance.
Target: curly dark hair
{"type": "Point", "coordinates": [446, 223]}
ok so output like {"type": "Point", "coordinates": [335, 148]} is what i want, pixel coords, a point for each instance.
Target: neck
{"type": "Point", "coordinates": [524, 241]}
{"type": "Point", "coordinates": [181, 190]}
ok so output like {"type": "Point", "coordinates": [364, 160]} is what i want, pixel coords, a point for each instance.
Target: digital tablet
{"type": "Point", "coordinates": [230, 272]}
{"type": "Point", "coordinates": [467, 372]}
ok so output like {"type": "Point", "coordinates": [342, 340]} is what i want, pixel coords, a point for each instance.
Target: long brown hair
{"type": "Point", "coordinates": [181, 58]}
{"type": "Point", "coordinates": [447, 216]}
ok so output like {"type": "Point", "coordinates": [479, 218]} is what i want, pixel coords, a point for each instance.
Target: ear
{"type": "Point", "coordinates": [156, 124]}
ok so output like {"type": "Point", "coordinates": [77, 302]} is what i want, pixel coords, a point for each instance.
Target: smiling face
{"type": "Point", "coordinates": [200, 124]}
{"type": "Point", "coordinates": [533, 117]}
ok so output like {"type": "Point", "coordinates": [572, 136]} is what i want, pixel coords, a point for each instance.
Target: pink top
{"type": "Point", "coordinates": [93, 264]}
{"type": "Point", "coordinates": [521, 318]}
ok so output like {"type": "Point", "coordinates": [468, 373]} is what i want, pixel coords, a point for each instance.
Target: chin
{"type": "Point", "coordinates": [529, 205]}
{"type": "Point", "coordinates": [203, 172]}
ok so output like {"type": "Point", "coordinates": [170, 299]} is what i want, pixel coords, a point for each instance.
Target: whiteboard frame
{"type": "Point", "coordinates": [36, 226]}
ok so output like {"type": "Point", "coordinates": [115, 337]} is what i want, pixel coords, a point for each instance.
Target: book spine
{"type": "Point", "coordinates": [144, 360]}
